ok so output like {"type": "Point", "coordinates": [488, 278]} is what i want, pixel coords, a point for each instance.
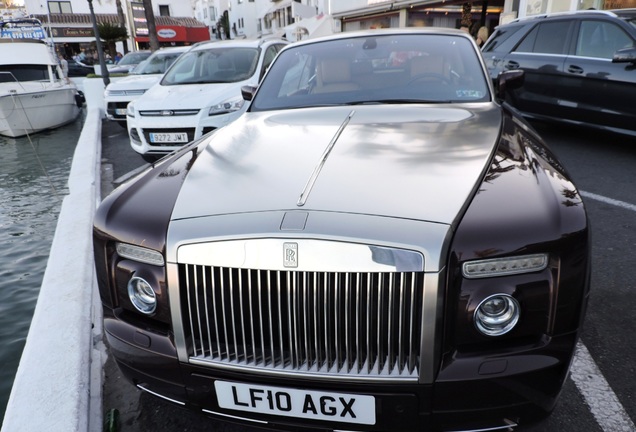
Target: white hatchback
{"type": "Point", "coordinates": [119, 93]}
{"type": "Point", "coordinates": [199, 93]}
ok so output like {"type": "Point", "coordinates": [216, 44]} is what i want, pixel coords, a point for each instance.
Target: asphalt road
{"type": "Point", "coordinates": [601, 394]}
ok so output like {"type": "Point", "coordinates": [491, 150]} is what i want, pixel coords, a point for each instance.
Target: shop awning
{"type": "Point", "coordinates": [178, 34]}
{"type": "Point", "coordinates": [178, 29]}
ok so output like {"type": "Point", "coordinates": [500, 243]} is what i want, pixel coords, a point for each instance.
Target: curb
{"type": "Point", "coordinates": [59, 380]}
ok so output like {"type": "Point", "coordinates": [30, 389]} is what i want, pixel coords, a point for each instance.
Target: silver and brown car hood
{"type": "Point", "coordinates": [402, 161]}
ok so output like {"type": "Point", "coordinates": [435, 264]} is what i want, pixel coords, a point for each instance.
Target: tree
{"type": "Point", "coordinates": [223, 25]}
{"type": "Point", "coordinates": [152, 27]}
{"type": "Point", "coordinates": [112, 33]}
{"type": "Point", "coordinates": [467, 15]}
{"type": "Point", "coordinates": [122, 22]}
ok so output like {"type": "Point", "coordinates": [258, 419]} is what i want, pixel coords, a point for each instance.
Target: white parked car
{"type": "Point", "coordinates": [119, 93]}
{"type": "Point", "coordinates": [200, 92]}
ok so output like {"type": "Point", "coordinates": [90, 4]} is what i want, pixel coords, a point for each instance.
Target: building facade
{"type": "Point", "coordinates": [296, 19]}
{"type": "Point", "coordinates": [257, 18]}
{"type": "Point", "coordinates": [69, 23]}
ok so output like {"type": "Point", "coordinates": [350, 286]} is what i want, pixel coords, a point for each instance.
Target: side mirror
{"type": "Point", "coordinates": [625, 55]}
{"type": "Point", "coordinates": [248, 92]}
{"type": "Point", "coordinates": [509, 80]}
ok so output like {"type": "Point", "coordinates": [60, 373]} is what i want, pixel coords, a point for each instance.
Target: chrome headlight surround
{"type": "Point", "coordinates": [142, 296]}
{"type": "Point", "coordinates": [497, 314]}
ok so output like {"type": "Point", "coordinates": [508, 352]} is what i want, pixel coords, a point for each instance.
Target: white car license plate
{"type": "Point", "coordinates": [168, 137]}
{"type": "Point", "coordinates": [316, 405]}
{"type": "Point", "coordinates": [120, 111]}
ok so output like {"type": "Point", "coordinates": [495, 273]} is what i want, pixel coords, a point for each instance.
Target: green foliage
{"type": "Point", "coordinates": [112, 33]}
{"type": "Point", "coordinates": [223, 24]}
{"type": "Point", "coordinates": [111, 421]}
{"type": "Point", "coordinates": [92, 75]}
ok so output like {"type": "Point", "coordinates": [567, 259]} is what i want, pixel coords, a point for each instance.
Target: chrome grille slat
{"type": "Point", "coordinates": [214, 308]}
{"type": "Point", "coordinates": [327, 323]}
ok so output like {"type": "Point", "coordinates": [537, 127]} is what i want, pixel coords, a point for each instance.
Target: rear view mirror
{"type": "Point", "coordinates": [509, 80]}
{"type": "Point", "coordinates": [625, 55]}
{"type": "Point", "coordinates": [248, 92]}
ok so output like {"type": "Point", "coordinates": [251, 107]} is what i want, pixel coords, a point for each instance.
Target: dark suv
{"type": "Point", "coordinates": [580, 67]}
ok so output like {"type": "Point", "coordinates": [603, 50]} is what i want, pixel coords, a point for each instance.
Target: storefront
{"type": "Point", "coordinates": [73, 33]}
{"type": "Point", "coordinates": [379, 14]}
{"type": "Point", "coordinates": [369, 14]}
{"type": "Point", "coordinates": [173, 31]}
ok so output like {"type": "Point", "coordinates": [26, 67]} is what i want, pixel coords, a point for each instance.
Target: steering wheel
{"type": "Point", "coordinates": [435, 76]}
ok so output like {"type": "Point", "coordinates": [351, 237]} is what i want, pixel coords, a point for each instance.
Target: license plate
{"type": "Point", "coordinates": [310, 404]}
{"type": "Point", "coordinates": [120, 111]}
{"type": "Point", "coordinates": [179, 137]}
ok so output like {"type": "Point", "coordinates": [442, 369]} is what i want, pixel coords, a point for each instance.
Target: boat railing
{"type": "Point", "coordinates": [12, 76]}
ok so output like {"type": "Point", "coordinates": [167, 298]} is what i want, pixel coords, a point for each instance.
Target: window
{"type": "Point", "coordinates": [427, 69]}
{"type": "Point", "coordinates": [268, 58]}
{"type": "Point", "coordinates": [164, 10]}
{"type": "Point", "coordinates": [504, 39]}
{"type": "Point", "coordinates": [601, 39]}
{"type": "Point", "coordinates": [546, 38]}
{"type": "Point", "coordinates": [60, 7]}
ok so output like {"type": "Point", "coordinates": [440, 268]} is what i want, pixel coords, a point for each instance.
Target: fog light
{"type": "Point", "coordinates": [142, 295]}
{"type": "Point", "coordinates": [497, 315]}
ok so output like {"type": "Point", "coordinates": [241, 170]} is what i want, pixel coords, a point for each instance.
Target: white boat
{"type": "Point", "coordinates": [34, 94]}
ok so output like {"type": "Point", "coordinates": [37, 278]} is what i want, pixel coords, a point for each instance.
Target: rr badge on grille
{"type": "Point", "coordinates": [290, 255]}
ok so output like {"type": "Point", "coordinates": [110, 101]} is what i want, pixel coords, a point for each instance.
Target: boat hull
{"type": "Point", "coordinates": [26, 110]}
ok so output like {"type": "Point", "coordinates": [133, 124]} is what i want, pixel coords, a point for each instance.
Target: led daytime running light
{"type": "Point", "coordinates": [140, 254]}
{"type": "Point", "coordinates": [504, 266]}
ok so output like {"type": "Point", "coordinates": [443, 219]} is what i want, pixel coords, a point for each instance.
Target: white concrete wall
{"type": "Point", "coordinates": [58, 384]}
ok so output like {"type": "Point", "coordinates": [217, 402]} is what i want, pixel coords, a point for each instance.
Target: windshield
{"type": "Point", "coordinates": [217, 65]}
{"type": "Point", "coordinates": [133, 58]}
{"type": "Point", "coordinates": [12, 73]}
{"type": "Point", "coordinates": [402, 68]}
{"type": "Point", "coordinates": [157, 63]}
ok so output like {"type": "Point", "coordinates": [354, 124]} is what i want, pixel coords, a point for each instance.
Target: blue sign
{"type": "Point", "coordinates": [26, 32]}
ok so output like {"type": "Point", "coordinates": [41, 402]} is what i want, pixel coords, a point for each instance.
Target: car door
{"type": "Point", "coordinates": [541, 53]}
{"type": "Point", "coordinates": [596, 90]}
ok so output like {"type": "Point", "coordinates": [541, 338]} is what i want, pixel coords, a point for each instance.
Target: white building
{"type": "Point", "coordinates": [70, 24]}
{"type": "Point", "coordinates": [256, 18]}
{"type": "Point", "coordinates": [302, 18]}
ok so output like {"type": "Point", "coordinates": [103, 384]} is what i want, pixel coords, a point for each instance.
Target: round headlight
{"type": "Point", "coordinates": [142, 295]}
{"type": "Point", "coordinates": [497, 315]}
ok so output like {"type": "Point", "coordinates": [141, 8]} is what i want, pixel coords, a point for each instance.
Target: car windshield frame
{"type": "Point", "coordinates": [383, 68]}
{"type": "Point", "coordinates": [218, 65]}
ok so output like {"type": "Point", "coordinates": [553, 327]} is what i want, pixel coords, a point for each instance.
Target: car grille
{"type": "Point", "coordinates": [126, 92]}
{"type": "Point", "coordinates": [168, 113]}
{"type": "Point", "coordinates": [365, 325]}
{"type": "Point", "coordinates": [147, 132]}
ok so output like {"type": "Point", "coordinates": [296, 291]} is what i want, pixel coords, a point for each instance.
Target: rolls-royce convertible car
{"type": "Point", "coordinates": [376, 244]}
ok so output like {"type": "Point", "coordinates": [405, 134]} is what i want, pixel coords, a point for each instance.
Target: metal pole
{"type": "Point", "coordinates": [98, 43]}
